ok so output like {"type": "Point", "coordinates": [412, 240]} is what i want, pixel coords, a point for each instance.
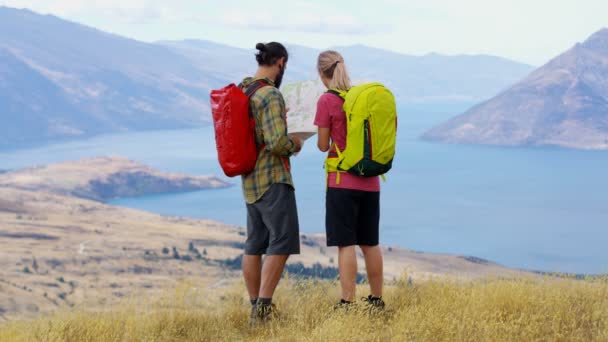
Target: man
{"type": "Point", "coordinates": [272, 219]}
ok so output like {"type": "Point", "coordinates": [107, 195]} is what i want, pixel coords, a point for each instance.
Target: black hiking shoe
{"type": "Point", "coordinates": [261, 313]}
{"type": "Point", "coordinates": [343, 305]}
{"type": "Point", "coordinates": [374, 303]}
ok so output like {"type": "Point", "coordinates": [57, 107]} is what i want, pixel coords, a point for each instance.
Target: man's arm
{"type": "Point", "coordinates": [274, 127]}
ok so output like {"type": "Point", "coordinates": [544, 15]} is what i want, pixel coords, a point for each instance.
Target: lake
{"type": "Point", "coordinates": [537, 209]}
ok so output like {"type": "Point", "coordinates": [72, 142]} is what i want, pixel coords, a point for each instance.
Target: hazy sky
{"type": "Point", "coordinates": [531, 31]}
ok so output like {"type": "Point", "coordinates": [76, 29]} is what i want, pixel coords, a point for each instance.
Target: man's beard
{"type": "Point", "coordinates": [279, 79]}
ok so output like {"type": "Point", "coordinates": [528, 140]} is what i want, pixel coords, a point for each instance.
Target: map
{"type": "Point", "coordinates": [301, 99]}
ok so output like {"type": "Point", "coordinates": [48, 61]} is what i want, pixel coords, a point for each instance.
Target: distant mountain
{"type": "Point", "coordinates": [60, 79]}
{"type": "Point", "coordinates": [429, 78]}
{"type": "Point", "coordinates": [564, 103]}
{"type": "Point", "coordinates": [435, 77]}
{"type": "Point", "coordinates": [231, 64]}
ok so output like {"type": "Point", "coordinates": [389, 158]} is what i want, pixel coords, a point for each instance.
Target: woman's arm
{"type": "Point", "coordinates": [323, 141]}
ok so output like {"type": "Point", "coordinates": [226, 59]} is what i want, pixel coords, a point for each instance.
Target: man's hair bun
{"type": "Point", "coordinates": [269, 54]}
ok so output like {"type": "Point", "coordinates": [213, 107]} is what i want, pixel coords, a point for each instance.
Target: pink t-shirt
{"type": "Point", "coordinates": [331, 115]}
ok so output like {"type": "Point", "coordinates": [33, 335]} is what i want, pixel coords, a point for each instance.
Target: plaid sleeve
{"type": "Point", "coordinates": [274, 125]}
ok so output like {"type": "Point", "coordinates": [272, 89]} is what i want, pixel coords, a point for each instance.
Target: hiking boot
{"type": "Point", "coordinates": [261, 313]}
{"type": "Point", "coordinates": [374, 303]}
{"type": "Point", "coordinates": [343, 305]}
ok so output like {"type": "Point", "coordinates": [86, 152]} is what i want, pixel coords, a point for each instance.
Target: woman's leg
{"type": "Point", "coordinates": [374, 267]}
{"type": "Point", "coordinates": [347, 264]}
{"type": "Point", "coordinates": [341, 213]}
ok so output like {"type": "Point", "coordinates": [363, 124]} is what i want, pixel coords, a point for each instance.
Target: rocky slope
{"type": "Point", "coordinates": [564, 103]}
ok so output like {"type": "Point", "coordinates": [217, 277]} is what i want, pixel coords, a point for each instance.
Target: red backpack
{"type": "Point", "coordinates": [234, 125]}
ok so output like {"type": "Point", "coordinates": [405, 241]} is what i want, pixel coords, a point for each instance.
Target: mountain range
{"type": "Point", "coordinates": [60, 79]}
{"type": "Point", "coordinates": [563, 103]}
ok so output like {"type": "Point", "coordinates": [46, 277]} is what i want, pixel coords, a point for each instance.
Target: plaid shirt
{"type": "Point", "coordinates": [273, 165]}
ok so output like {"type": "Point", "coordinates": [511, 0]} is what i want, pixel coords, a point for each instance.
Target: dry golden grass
{"type": "Point", "coordinates": [525, 309]}
{"type": "Point", "coordinates": [88, 253]}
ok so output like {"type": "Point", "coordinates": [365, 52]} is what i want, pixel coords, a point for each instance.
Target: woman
{"type": "Point", "coordinates": [352, 202]}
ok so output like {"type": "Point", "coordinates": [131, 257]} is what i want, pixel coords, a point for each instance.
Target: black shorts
{"type": "Point", "coordinates": [272, 223]}
{"type": "Point", "coordinates": [352, 217]}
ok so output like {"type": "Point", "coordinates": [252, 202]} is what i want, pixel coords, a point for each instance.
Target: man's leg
{"type": "Point", "coordinates": [255, 246]}
{"type": "Point", "coordinates": [252, 273]}
{"type": "Point", "coordinates": [280, 215]}
{"type": "Point", "coordinates": [271, 274]}
{"type": "Point", "coordinates": [374, 267]}
{"type": "Point", "coordinates": [347, 264]}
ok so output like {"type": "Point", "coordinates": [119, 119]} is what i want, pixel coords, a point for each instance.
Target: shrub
{"type": "Point", "coordinates": [186, 258]}
{"type": "Point", "coordinates": [35, 265]}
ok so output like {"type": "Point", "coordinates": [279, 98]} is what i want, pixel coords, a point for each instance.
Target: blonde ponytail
{"type": "Point", "coordinates": [331, 66]}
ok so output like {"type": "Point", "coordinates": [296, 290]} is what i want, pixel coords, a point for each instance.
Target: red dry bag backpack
{"type": "Point", "coordinates": [235, 128]}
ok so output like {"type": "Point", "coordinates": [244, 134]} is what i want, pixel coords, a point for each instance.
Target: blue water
{"type": "Point", "coordinates": [539, 209]}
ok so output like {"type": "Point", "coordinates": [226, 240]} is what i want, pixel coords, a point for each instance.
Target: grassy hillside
{"type": "Point", "coordinates": [59, 251]}
{"type": "Point", "coordinates": [526, 309]}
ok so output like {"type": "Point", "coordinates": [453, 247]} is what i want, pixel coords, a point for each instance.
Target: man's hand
{"type": "Point", "coordinates": [297, 141]}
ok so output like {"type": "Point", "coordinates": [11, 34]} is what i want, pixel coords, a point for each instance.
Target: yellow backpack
{"type": "Point", "coordinates": [371, 132]}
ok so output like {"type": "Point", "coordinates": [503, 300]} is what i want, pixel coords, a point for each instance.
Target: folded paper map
{"type": "Point", "coordinates": [301, 100]}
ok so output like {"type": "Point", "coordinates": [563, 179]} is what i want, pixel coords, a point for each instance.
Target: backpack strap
{"type": "Point", "coordinates": [252, 89]}
{"type": "Point", "coordinates": [337, 153]}
{"type": "Point", "coordinates": [335, 92]}
{"type": "Point", "coordinates": [255, 86]}
{"type": "Point", "coordinates": [249, 92]}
